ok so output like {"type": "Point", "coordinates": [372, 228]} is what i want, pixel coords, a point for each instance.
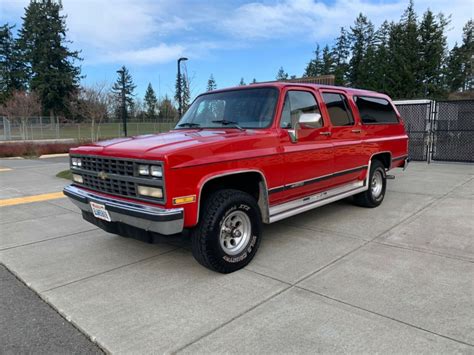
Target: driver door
{"type": "Point", "coordinates": [306, 146]}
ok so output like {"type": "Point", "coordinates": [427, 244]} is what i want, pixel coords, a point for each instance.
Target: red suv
{"type": "Point", "coordinates": [240, 158]}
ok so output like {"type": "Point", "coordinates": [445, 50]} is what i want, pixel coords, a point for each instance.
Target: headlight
{"type": "Point", "coordinates": [77, 178]}
{"type": "Point", "coordinates": [144, 169]}
{"type": "Point", "coordinates": [150, 170]}
{"type": "Point", "coordinates": [76, 162]}
{"type": "Point", "coordinates": [156, 171]}
{"type": "Point", "coordinates": [156, 192]}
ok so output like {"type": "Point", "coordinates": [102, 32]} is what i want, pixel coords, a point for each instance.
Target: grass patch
{"type": "Point", "coordinates": [66, 174]}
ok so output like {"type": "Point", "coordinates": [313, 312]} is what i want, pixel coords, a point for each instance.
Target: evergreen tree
{"type": "Point", "coordinates": [459, 71]}
{"type": "Point", "coordinates": [281, 75]}
{"type": "Point", "coordinates": [363, 49]}
{"type": "Point", "coordinates": [242, 82]}
{"type": "Point", "coordinates": [314, 67]}
{"type": "Point", "coordinates": [254, 81]}
{"type": "Point", "coordinates": [167, 111]}
{"type": "Point", "coordinates": [327, 66]}
{"type": "Point", "coordinates": [382, 70]}
{"type": "Point", "coordinates": [123, 89]}
{"type": "Point", "coordinates": [455, 69]}
{"type": "Point", "coordinates": [406, 56]}
{"type": "Point", "coordinates": [151, 103]}
{"type": "Point", "coordinates": [340, 55]}
{"type": "Point", "coordinates": [211, 83]}
{"type": "Point", "coordinates": [51, 65]}
{"type": "Point", "coordinates": [468, 49]}
{"type": "Point", "coordinates": [433, 50]}
{"type": "Point", "coordinates": [13, 74]}
{"type": "Point", "coordinates": [185, 91]}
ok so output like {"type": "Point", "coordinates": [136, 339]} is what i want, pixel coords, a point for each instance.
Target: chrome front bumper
{"type": "Point", "coordinates": [154, 219]}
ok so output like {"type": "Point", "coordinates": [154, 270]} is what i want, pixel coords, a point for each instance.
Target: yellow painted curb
{"type": "Point", "coordinates": [30, 199]}
{"type": "Point", "coordinates": [46, 156]}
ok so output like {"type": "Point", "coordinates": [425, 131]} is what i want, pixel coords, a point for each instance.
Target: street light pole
{"type": "Point", "coordinates": [180, 99]}
{"type": "Point", "coordinates": [123, 107]}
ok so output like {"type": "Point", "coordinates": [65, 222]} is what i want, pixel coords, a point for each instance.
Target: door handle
{"type": "Point", "coordinates": [325, 133]}
{"type": "Point", "coordinates": [356, 131]}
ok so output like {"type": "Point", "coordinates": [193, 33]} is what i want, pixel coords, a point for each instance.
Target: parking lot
{"type": "Point", "coordinates": [341, 278]}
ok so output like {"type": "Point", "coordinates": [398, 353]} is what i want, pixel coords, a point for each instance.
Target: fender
{"type": "Point", "coordinates": [263, 190]}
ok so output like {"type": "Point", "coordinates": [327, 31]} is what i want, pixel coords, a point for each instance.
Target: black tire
{"type": "Point", "coordinates": [368, 198]}
{"type": "Point", "coordinates": [208, 247]}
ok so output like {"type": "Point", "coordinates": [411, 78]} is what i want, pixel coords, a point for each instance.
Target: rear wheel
{"type": "Point", "coordinates": [228, 234]}
{"type": "Point", "coordinates": [375, 194]}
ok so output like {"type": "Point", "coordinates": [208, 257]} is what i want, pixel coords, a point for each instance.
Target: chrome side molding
{"type": "Point", "coordinates": [307, 203]}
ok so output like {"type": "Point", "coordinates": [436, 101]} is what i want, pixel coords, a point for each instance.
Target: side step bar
{"type": "Point", "coordinates": [307, 203]}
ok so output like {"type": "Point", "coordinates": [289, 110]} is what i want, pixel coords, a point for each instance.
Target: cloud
{"type": "Point", "coordinates": [320, 21]}
{"type": "Point", "coordinates": [107, 24]}
{"type": "Point", "coordinates": [161, 53]}
{"type": "Point", "coordinates": [156, 31]}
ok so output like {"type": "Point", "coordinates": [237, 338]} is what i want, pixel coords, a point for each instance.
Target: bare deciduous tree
{"type": "Point", "coordinates": [94, 104]}
{"type": "Point", "coordinates": [21, 106]}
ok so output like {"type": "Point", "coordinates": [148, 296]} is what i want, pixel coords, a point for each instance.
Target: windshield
{"type": "Point", "coordinates": [248, 108]}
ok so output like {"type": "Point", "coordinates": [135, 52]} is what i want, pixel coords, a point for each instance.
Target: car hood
{"type": "Point", "coordinates": [177, 147]}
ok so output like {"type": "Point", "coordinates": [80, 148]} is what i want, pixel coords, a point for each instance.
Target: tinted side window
{"type": "Point", "coordinates": [297, 103]}
{"type": "Point", "coordinates": [375, 110]}
{"type": "Point", "coordinates": [338, 109]}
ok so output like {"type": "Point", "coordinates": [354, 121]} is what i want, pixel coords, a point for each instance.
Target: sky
{"type": "Point", "coordinates": [228, 38]}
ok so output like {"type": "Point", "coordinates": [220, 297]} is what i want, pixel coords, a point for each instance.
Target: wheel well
{"type": "Point", "coordinates": [384, 158]}
{"type": "Point", "coordinates": [249, 182]}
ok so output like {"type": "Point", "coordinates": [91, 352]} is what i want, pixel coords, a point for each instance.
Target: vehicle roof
{"type": "Point", "coordinates": [283, 84]}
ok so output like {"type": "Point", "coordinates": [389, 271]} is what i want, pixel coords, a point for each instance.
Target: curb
{"type": "Point", "coordinates": [46, 156]}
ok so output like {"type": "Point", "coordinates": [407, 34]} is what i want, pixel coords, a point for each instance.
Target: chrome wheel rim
{"type": "Point", "coordinates": [376, 184]}
{"type": "Point", "coordinates": [235, 232]}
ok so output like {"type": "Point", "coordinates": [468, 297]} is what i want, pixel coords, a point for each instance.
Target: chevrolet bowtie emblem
{"type": "Point", "coordinates": [102, 175]}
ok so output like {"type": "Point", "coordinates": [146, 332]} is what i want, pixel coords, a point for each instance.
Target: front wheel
{"type": "Point", "coordinates": [375, 194]}
{"type": "Point", "coordinates": [228, 234]}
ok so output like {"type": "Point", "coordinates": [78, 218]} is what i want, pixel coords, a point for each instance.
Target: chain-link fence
{"type": "Point", "coordinates": [417, 117]}
{"type": "Point", "coordinates": [40, 128]}
{"type": "Point", "coordinates": [441, 130]}
{"type": "Point", "coordinates": [453, 133]}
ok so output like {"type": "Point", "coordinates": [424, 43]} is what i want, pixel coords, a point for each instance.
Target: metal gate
{"type": "Point", "coordinates": [453, 131]}
{"type": "Point", "coordinates": [441, 130]}
{"type": "Point", "coordinates": [417, 115]}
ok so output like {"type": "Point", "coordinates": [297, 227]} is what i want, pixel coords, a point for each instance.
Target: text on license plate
{"type": "Point", "coordinates": [100, 212]}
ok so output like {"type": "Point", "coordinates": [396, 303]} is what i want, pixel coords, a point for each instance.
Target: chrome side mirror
{"type": "Point", "coordinates": [307, 120]}
{"type": "Point", "coordinates": [312, 120]}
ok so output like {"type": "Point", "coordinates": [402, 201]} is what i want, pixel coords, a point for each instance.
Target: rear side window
{"type": "Point", "coordinates": [374, 110]}
{"type": "Point", "coordinates": [338, 109]}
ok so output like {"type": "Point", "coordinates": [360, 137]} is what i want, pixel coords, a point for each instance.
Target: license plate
{"type": "Point", "coordinates": [100, 212]}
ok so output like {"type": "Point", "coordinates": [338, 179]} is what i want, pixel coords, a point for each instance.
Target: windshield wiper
{"type": "Point", "coordinates": [189, 124]}
{"type": "Point", "coordinates": [226, 123]}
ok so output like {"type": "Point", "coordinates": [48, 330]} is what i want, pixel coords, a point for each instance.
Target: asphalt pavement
{"type": "Point", "coordinates": [28, 325]}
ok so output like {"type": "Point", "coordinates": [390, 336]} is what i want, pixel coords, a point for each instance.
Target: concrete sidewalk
{"type": "Point", "coordinates": [397, 278]}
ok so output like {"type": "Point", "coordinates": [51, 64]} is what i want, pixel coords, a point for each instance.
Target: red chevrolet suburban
{"type": "Point", "coordinates": [237, 159]}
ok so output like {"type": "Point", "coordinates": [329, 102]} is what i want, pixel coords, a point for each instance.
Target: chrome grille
{"type": "Point", "coordinates": [111, 186]}
{"type": "Point", "coordinates": [110, 166]}
{"type": "Point", "coordinates": [116, 176]}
